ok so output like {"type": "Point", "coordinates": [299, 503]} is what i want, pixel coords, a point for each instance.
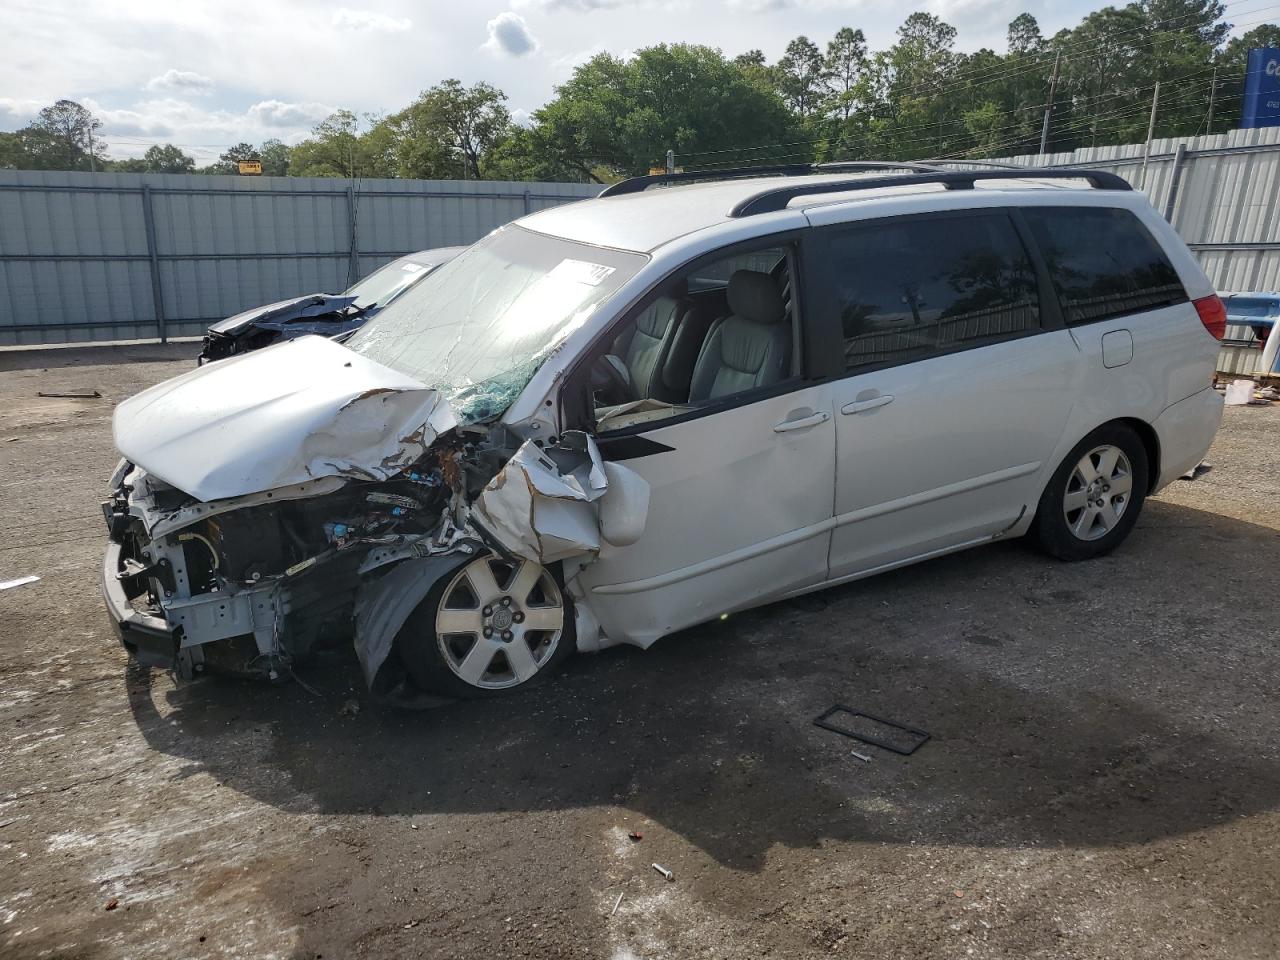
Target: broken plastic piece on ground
{"type": "Point", "coordinates": [1196, 472]}
{"type": "Point", "coordinates": [635, 837]}
{"type": "Point", "coordinates": [9, 584]}
{"type": "Point", "coordinates": [1240, 392]}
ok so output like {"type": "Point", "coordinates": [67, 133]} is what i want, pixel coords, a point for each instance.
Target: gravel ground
{"type": "Point", "coordinates": [1103, 778]}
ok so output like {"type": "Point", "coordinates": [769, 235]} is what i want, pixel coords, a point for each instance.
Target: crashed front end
{"type": "Point", "coordinates": [259, 583]}
{"type": "Point", "coordinates": [304, 497]}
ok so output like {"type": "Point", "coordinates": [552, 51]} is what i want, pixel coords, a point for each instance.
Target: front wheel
{"type": "Point", "coordinates": [1093, 499]}
{"type": "Point", "coordinates": [492, 626]}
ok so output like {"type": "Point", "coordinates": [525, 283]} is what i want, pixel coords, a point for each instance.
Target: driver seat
{"type": "Point", "coordinates": [651, 347]}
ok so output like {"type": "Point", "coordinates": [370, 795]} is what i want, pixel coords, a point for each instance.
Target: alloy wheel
{"type": "Point", "coordinates": [499, 623]}
{"type": "Point", "coordinates": [1098, 492]}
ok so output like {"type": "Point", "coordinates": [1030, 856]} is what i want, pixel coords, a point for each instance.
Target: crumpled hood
{"type": "Point", "coordinates": [293, 412]}
{"type": "Point", "coordinates": [312, 305]}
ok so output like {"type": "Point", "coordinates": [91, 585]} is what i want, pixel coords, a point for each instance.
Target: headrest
{"type": "Point", "coordinates": [755, 296]}
{"type": "Point", "coordinates": [677, 289]}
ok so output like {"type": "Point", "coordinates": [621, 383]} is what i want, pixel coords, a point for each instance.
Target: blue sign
{"type": "Point", "coordinates": [1262, 89]}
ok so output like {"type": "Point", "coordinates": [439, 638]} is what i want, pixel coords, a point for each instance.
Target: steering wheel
{"type": "Point", "coordinates": [610, 381]}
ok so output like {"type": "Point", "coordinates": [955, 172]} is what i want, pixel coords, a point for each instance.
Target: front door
{"type": "Point", "coordinates": [741, 465]}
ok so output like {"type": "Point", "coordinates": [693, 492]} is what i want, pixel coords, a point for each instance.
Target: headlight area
{"type": "Point", "coordinates": [254, 586]}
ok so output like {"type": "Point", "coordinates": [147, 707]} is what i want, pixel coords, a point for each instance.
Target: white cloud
{"type": "Point", "coordinates": [522, 117]}
{"type": "Point", "coordinates": [509, 34]}
{"type": "Point", "coordinates": [564, 66]}
{"type": "Point", "coordinates": [201, 132]}
{"type": "Point", "coordinates": [181, 81]}
{"type": "Point", "coordinates": [276, 113]}
{"type": "Point", "coordinates": [368, 20]}
{"type": "Point", "coordinates": [18, 112]}
{"type": "Point", "coordinates": [582, 6]}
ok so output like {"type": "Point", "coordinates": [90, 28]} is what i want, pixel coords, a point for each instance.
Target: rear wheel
{"type": "Point", "coordinates": [492, 626]}
{"type": "Point", "coordinates": [1093, 499]}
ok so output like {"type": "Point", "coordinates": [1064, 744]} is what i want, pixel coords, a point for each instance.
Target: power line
{"type": "Point", "coordinates": [1096, 117]}
{"type": "Point", "coordinates": [995, 78]}
{"type": "Point", "coordinates": [938, 125]}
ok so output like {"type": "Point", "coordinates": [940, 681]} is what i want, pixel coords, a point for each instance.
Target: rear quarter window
{"type": "Point", "coordinates": [1103, 262]}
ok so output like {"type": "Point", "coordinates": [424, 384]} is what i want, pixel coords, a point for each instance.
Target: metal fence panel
{"type": "Point", "coordinates": [111, 256]}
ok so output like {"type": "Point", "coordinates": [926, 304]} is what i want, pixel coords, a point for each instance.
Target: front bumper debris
{"type": "Point", "coordinates": [149, 639]}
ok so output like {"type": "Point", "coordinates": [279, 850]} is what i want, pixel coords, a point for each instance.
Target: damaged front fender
{"type": "Point", "coordinates": [383, 605]}
{"type": "Point", "coordinates": [544, 505]}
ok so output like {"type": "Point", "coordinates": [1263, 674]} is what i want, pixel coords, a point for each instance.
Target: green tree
{"type": "Point", "coordinates": [845, 70]}
{"type": "Point", "coordinates": [275, 158]}
{"type": "Point", "coordinates": [338, 147]}
{"type": "Point", "coordinates": [1024, 37]}
{"type": "Point", "coordinates": [167, 158]}
{"type": "Point", "coordinates": [801, 76]}
{"type": "Point", "coordinates": [616, 117]}
{"type": "Point", "coordinates": [62, 137]}
{"type": "Point", "coordinates": [12, 153]}
{"type": "Point", "coordinates": [449, 131]}
{"type": "Point", "coordinates": [229, 161]}
{"type": "Point", "coordinates": [913, 115]}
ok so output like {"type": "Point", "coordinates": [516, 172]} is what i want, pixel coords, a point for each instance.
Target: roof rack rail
{"type": "Point", "coordinates": [638, 184]}
{"type": "Point", "coordinates": [981, 163]}
{"type": "Point", "coordinates": [777, 198]}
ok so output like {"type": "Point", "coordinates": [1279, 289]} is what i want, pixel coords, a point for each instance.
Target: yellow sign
{"type": "Point", "coordinates": [250, 168]}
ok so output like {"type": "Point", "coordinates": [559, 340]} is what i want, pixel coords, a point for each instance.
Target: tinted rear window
{"type": "Point", "coordinates": [1103, 262]}
{"type": "Point", "coordinates": [919, 287]}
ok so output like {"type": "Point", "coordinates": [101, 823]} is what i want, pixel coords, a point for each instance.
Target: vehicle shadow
{"type": "Point", "coordinates": [1046, 732]}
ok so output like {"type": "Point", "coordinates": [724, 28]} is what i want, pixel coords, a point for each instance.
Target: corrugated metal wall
{"type": "Point", "coordinates": [78, 262]}
{"type": "Point", "coordinates": [1222, 194]}
{"type": "Point", "coordinates": [109, 256]}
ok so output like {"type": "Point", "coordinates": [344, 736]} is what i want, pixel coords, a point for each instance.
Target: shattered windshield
{"type": "Point", "coordinates": [479, 327]}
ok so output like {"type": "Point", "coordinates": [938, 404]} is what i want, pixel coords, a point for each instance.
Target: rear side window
{"type": "Point", "coordinates": [915, 288]}
{"type": "Point", "coordinates": [1103, 262]}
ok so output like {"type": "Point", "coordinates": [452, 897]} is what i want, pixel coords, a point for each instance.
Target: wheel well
{"type": "Point", "coordinates": [1152, 445]}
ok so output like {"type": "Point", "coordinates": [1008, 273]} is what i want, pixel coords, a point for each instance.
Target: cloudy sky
{"type": "Point", "coordinates": [207, 74]}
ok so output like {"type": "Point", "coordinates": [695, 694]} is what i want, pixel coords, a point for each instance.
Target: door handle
{"type": "Point", "coordinates": [858, 406]}
{"type": "Point", "coordinates": [810, 421]}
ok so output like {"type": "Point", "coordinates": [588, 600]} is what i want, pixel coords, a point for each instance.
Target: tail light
{"type": "Point", "coordinates": [1213, 314]}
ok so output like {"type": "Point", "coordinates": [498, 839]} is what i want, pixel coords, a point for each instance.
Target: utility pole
{"type": "Point", "coordinates": [671, 161]}
{"type": "Point", "coordinates": [92, 169]}
{"type": "Point", "coordinates": [1048, 105]}
{"type": "Point", "coordinates": [1151, 132]}
{"type": "Point", "coordinates": [1213, 90]}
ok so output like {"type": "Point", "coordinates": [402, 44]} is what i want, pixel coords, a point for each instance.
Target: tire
{"type": "Point", "coordinates": [1093, 476]}
{"type": "Point", "coordinates": [462, 662]}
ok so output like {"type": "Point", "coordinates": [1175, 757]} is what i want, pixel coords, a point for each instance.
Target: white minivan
{"type": "Point", "coordinates": [617, 418]}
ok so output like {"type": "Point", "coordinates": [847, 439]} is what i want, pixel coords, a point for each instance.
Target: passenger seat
{"type": "Point", "coordinates": [751, 347]}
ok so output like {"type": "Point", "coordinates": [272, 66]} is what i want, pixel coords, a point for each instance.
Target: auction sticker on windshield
{"type": "Point", "coordinates": [580, 271]}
